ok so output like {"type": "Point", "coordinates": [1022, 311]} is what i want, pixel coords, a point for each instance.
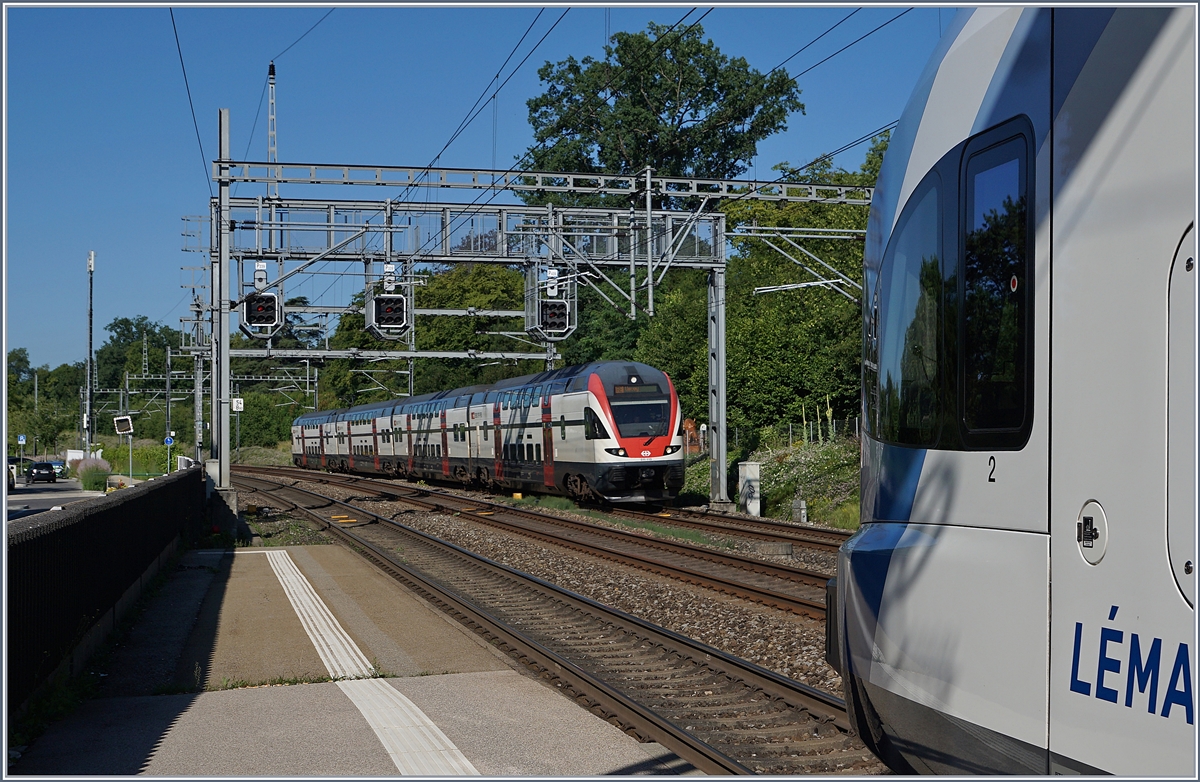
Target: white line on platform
{"type": "Point", "coordinates": [338, 651]}
{"type": "Point", "coordinates": [415, 744]}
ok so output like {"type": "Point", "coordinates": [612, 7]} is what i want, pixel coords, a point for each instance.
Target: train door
{"type": "Point", "coordinates": [1181, 417]}
{"type": "Point", "coordinates": [547, 439]}
{"type": "Point", "coordinates": [1122, 659]}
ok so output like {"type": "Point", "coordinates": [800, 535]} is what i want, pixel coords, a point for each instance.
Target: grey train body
{"type": "Point", "coordinates": [1019, 597]}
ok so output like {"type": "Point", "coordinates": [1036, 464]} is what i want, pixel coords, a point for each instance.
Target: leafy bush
{"type": "Point", "coordinates": [824, 475]}
{"type": "Point", "coordinates": [93, 473]}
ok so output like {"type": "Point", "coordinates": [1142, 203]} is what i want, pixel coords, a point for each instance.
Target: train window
{"type": "Point", "coordinates": [642, 419]}
{"type": "Point", "coordinates": [994, 292]}
{"type": "Point", "coordinates": [909, 297]}
{"type": "Point", "coordinates": [593, 427]}
{"type": "Point", "coordinates": [439, 451]}
{"type": "Point", "coordinates": [537, 452]}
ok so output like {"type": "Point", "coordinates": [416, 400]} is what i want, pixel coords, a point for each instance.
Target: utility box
{"type": "Point", "coordinates": [749, 499]}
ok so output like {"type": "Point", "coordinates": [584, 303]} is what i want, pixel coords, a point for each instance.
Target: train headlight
{"type": "Point", "coordinates": [616, 451]}
{"type": "Point", "coordinates": [670, 449]}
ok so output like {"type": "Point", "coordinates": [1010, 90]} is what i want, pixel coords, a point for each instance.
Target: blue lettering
{"type": "Point", "coordinates": [1107, 663]}
{"type": "Point", "coordinates": [1143, 673]}
{"type": "Point", "coordinates": [1181, 671]}
{"type": "Point", "coordinates": [1076, 685]}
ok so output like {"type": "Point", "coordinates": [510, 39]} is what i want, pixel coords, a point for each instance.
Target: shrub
{"type": "Point", "coordinates": [93, 473]}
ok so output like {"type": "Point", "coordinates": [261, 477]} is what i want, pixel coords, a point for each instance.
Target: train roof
{"type": "Point", "coordinates": [566, 373]}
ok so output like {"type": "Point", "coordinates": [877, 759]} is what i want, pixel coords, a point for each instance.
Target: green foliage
{"type": "Point", "coordinates": [483, 286]}
{"type": "Point", "coordinates": [825, 475]}
{"type": "Point", "coordinates": [46, 420]}
{"type": "Point", "coordinates": [788, 353]}
{"type": "Point", "coordinates": [94, 479]}
{"type": "Point", "coordinates": [663, 98]}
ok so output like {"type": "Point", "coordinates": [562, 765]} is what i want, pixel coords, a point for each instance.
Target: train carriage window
{"type": "Point", "coordinates": [909, 297]}
{"type": "Point", "coordinates": [537, 452]}
{"type": "Point", "coordinates": [593, 428]}
{"type": "Point", "coordinates": [995, 292]}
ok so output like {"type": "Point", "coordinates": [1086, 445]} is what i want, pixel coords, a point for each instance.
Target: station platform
{"type": "Point", "coordinates": [226, 673]}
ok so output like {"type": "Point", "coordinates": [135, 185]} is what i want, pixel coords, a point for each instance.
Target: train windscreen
{"type": "Point", "coordinates": [642, 418]}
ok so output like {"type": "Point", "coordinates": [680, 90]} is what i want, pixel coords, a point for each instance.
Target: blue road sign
{"type": "Point", "coordinates": [20, 439]}
{"type": "Point", "coordinates": [168, 441]}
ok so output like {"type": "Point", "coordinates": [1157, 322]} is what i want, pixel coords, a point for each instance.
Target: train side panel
{"type": "Point", "coordinates": [1125, 198]}
{"type": "Point", "coordinates": [1019, 597]}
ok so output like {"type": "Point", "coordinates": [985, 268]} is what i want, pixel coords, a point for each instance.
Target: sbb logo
{"type": "Point", "coordinates": [645, 453]}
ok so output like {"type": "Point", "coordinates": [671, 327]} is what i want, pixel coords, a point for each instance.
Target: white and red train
{"type": "Point", "coordinates": [607, 430]}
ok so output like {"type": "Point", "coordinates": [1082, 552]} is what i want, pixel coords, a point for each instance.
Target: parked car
{"type": "Point", "coordinates": [60, 469]}
{"type": "Point", "coordinates": [40, 471]}
{"type": "Point", "coordinates": [12, 477]}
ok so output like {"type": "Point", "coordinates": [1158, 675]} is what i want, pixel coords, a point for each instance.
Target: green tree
{"type": "Point", "coordinates": [662, 98]}
{"type": "Point", "coordinates": [668, 99]}
{"type": "Point", "coordinates": [785, 351]}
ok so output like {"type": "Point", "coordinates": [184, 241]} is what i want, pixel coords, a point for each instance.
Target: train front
{"type": "Point", "coordinates": [641, 459]}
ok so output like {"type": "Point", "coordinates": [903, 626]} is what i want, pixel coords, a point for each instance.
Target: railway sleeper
{"type": "Point", "coordinates": [837, 762]}
{"type": "Point", "coordinates": [800, 729]}
{"type": "Point", "coordinates": [817, 746]}
{"type": "Point", "coordinates": [766, 723]}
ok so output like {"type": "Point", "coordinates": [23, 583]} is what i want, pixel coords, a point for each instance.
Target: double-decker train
{"type": "Point", "coordinates": [608, 430]}
{"type": "Point", "coordinates": [1020, 595]}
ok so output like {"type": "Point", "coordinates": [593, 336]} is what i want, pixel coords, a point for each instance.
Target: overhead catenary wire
{"type": "Point", "coordinates": [645, 242]}
{"type": "Point", "coordinates": [191, 105]}
{"type": "Point", "coordinates": [466, 214]}
{"type": "Point", "coordinates": [266, 81]}
{"type": "Point", "coordinates": [471, 114]}
{"type": "Point", "coordinates": [475, 110]}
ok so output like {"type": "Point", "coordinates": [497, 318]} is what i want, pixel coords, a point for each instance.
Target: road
{"type": "Point", "coordinates": [25, 500]}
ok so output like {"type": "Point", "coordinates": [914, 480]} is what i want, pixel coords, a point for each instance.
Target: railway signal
{"type": "Point", "coordinates": [261, 310]}
{"type": "Point", "coordinates": [387, 315]}
{"type": "Point", "coordinates": [554, 316]}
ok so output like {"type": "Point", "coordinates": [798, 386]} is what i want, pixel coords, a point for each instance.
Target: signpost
{"type": "Point", "coordinates": [21, 442]}
{"type": "Point", "coordinates": [237, 404]}
{"type": "Point", "coordinates": [168, 441]}
{"type": "Point", "coordinates": [123, 424]}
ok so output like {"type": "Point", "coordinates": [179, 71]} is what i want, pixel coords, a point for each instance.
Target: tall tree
{"type": "Point", "coordinates": [668, 99]}
{"type": "Point", "coordinates": [786, 352]}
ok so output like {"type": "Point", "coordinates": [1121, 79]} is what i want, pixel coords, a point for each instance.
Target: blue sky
{"type": "Point", "coordinates": [102, 154]}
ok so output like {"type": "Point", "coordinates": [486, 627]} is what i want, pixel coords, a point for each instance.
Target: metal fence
{"type": "Point", "coordinates": [793, 433]}
{"type": "Point", "coordinates": [68, 569]}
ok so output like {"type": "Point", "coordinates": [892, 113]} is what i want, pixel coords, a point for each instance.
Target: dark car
{"type": "Point", "coordinates": [40, 471]}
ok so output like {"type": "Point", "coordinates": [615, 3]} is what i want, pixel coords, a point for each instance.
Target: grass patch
{"type": "Point", "coordinates": [550, 501]}
{"type": "Point", "coordinates": [280, 456]}
{"type": "Point", "coordinates": [275, 681]}
{"type": "Point", "coordinates": [285, 530]}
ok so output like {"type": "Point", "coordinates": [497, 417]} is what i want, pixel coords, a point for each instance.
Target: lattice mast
{"type": "Point", "coordinates": [272, 148]}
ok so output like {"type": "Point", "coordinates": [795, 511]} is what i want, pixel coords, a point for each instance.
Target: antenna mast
{"type": "Point", "coordinates": [272, 150]}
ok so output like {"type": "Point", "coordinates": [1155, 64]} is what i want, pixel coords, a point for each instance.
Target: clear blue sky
{"type": "Point", "coordinates": [102, 154]}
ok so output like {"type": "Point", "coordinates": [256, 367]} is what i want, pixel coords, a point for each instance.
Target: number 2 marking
{"type": "Point", "coordinates": [992, 474]}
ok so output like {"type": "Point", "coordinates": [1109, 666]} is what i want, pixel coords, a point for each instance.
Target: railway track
{"type": "Point", "coordinates": [791, 589]}
{"type": "Point", "coordinates": [757, 529]}
{"type": "Point", "coordinates": [722, 714]}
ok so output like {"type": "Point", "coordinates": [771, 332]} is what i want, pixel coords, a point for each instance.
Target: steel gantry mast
{"type": "Point", "coordinates": [621, 254]}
